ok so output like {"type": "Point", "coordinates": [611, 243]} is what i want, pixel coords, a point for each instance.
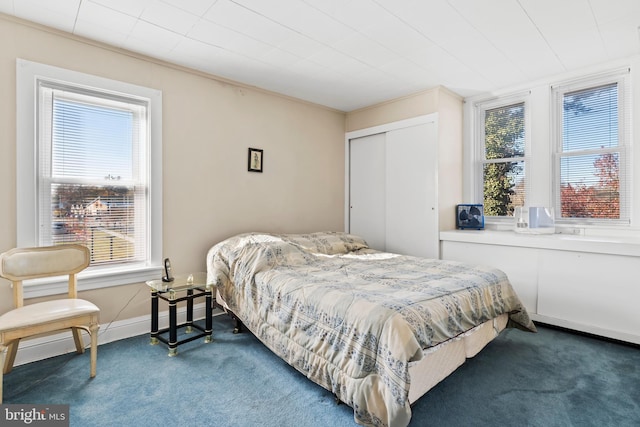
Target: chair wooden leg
{"type": "Point", "coordinates": [3, 353]}
{"type": "Point", "coordinates": [94, 348]}
{"type": "Point", "coordinates": [11, 356]}
{"type": "Point", "coordinates": [77, 338]}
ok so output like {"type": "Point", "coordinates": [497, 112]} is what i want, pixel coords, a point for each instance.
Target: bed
{"type": "Point", "coordinates": [376, 329]}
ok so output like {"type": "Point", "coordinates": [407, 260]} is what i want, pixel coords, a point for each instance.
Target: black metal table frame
{"type": "Point", "coordinates": [172, 341]}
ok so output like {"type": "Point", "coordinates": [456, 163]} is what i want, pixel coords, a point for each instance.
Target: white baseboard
{"type": "Point", "coordinates": [595, 330]}
{"type": "Point", "coordinates": [44, 347]}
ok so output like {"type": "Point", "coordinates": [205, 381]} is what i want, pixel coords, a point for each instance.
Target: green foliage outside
{"type": "Point", "coordinates": [504, 139]}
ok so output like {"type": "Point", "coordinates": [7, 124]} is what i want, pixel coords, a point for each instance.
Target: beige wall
{"type": "Point", "coordinates": [394, 110]}
{"type": "Point", "coordinates": [450, 157]}
{"type": "Point", "coordinates": [208, 125]}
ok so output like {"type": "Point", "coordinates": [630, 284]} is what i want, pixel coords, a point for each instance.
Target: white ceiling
{"type": "Point", "coordinates": [347, 54]}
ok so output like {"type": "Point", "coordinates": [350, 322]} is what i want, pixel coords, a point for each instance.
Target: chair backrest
{"type": "Point", "coordinates": [31, 263]}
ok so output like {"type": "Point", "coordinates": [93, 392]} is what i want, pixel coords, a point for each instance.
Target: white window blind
{"type": "Point", "coordinates": [592, 134]}
{"type": "Point", "coordinates": [92, 172]}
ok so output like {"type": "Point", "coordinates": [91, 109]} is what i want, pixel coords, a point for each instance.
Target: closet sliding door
{"type": "Point", "coordinates": [411, 191]}
{"type": "Point", "coordinates": [392, 188]}
{"type": "Point", "coordinates": [367, 183]}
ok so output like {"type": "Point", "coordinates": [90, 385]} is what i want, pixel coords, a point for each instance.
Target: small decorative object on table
{"type": "Point", "coordinates": [470, 216]}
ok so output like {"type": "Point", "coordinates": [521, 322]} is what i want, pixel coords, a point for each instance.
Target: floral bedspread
{"type": "Point", "coordinates": [351, 318]}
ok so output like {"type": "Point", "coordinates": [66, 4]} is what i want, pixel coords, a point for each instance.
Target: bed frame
{"type": "Point", "coordinates": [438, 362]}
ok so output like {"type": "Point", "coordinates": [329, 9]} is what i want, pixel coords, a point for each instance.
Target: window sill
{"type": "Point", "coordinates": [92, 279]}
{"type": "Point", "coordinates": [627, 246]}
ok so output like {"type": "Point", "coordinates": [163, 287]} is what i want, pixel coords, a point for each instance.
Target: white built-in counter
{"type": "Point", "coordinates": [586, 283]}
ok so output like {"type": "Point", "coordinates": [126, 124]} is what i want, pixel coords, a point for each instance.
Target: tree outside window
{"type": "Point", "coordinates": [503, 163]}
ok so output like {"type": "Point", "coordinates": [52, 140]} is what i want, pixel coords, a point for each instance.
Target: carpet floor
{"type": "Point", "coordinates": [552, 378]}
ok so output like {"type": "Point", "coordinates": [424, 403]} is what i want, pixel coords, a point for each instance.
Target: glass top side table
{"type": "Point", "coordinates": [185, 287]}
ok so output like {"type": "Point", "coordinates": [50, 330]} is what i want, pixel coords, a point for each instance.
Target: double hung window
{"type": "Point", "coordinates": [501, 161]}
{"type": "Point", "coordinates": [89, 159]}
{"type": "Point", "coordinates": [92, 172]}
{"type": "Point", "coordinates": [590, 158]}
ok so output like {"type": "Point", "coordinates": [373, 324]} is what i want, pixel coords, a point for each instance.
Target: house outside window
{"type": "Point", "coordinates": [89, 172]}
{"type": "Point", "coordinates": [501, 175]}
{"type": "Point", "coordinates": [591, 136]}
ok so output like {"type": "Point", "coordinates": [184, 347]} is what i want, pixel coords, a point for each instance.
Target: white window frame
{"type": "Point", "coordinates": [540, 167]}
{"type": "Point", "coordinates": [27, 75]}
{"type": "Point", "coordinates": [622, 79]}
{"type": "Point", "coordinates": [480, 107]}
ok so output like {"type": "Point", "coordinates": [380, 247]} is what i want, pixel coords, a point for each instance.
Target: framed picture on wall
{"type": "Point", "coordinates": [256, 160]}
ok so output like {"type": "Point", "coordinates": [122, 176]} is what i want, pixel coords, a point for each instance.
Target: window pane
{"type": "Point", "coordinates": [91, 141]}
{"type": "Point", "coordinates": [101, 218]}
{"type": "Point", "coordinates": [590, 186]}
{"type": "Point", "coordinates": [590, 119]}
{"type": "Point", "coordinates": [504, 187]}
{"type": "Point", "coordinates": [504, 132]}
{"type": "Point", "coordinates": [96, 192]}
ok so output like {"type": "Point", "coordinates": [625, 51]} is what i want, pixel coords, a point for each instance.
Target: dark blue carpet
{"type": "Point", "coordinates": [552, 378]}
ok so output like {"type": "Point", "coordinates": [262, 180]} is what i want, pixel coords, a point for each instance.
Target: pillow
{"type": "Point", "coordinates": [328, 242]}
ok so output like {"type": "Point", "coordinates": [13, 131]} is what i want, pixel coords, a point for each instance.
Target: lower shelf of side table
{"type": "Point", "coordinates": [173, 349]}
